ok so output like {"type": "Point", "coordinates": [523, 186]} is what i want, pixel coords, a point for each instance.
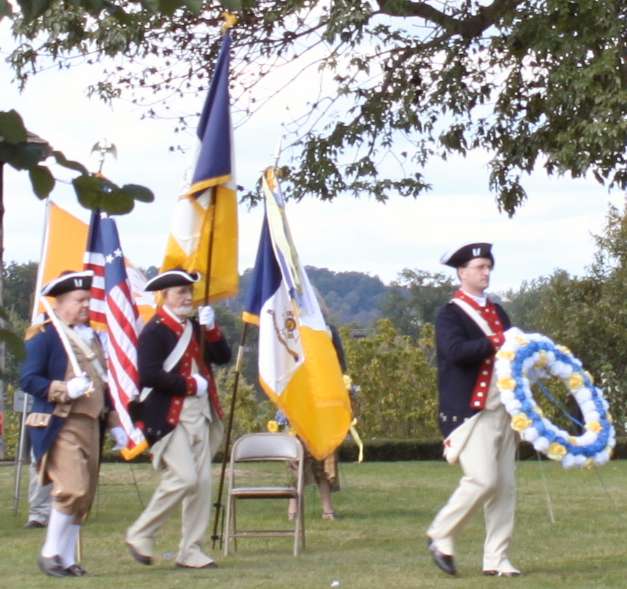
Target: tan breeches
{"type": "Point", "coordinates": [488, 464]}
{"type": "Point", "coordinates": [185, 480]}
{"type": "Point", "coordinates": [72, 466]}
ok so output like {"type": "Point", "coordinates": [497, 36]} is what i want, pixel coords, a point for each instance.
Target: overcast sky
{"type": "Point", "coordinates": [552, 230]}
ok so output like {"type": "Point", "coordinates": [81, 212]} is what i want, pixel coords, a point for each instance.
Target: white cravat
{"type": "Point", "coordinates": [171, 313]}
{"type": "Point", "coordinates": [480, 300]}
{"type": "Point", "coordinates": [85, 332]}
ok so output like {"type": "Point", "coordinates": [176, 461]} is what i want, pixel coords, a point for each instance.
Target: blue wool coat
{"type": "Point", "coordinates": [461, 348]}
{"type": "Point", "coordinates": [46, 361]}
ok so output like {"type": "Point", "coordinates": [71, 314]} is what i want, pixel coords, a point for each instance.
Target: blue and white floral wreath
{"type": "Point", "coordinates": [526, 359]}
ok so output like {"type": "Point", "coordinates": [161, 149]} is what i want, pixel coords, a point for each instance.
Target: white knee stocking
{"type": "Point", "coordinates": [68, 549]}
{"type": "Point", "coordinates": [58, 525]}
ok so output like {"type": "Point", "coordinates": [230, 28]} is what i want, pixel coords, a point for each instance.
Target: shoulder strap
{"type": "Point", "coordinates": [174, 356]}
{"type": "Point", "coordinates": [78, 341]}
{"type": "Point", "coordinates": [181, 345]}
{"type": "Point", "coordinates": [474, 315]}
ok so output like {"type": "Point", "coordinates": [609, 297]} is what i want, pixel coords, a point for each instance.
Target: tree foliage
{"type": "Point", "coordinates": [398, 391]}
{"type": "Point", "coordinates": [27, 152]}
{"type": "Point", "coordinates": [414, 298]}
{"type": "Point", "coordinates": [533, 82]}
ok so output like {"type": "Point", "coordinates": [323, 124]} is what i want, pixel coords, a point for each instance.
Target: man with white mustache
{"type": "Point", "coordinates": [180, 415]}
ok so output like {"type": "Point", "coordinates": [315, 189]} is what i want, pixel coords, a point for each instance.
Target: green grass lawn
{"type": "Point", "coordinates": [379, 541]}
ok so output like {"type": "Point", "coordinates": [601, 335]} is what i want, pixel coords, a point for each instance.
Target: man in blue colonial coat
{"type": "Point", "coordinates": [65, 373]}
{"type": "Point", "coordinates": [180, 416]}
{"type": "Point", "coordinates": [476, 427]}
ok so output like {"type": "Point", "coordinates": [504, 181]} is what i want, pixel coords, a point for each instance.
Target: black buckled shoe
{"type": "Point", "coordinates": [138, 556]}
{"type": "Point", "coordinates": [75, 570]}
{"type": "Point", "coordinates": [52, 565]}
{"type": "Point", "coordinates": [444, 562]}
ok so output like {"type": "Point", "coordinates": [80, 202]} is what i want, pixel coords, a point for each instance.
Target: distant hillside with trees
{"type": "Point", "coordinates": [351, 298]}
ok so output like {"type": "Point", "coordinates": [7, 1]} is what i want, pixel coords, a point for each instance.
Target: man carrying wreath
{"type": "Point", "coordinates": [476, 427]}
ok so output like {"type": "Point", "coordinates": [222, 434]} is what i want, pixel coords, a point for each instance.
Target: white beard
{"type": "Point", "coordinates": [184, 311]}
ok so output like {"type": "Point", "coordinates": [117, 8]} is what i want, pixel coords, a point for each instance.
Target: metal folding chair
{"type": "Point", "coordinates": [265, 447]}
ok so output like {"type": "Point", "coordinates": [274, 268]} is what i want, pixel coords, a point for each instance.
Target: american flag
{"type": "Point", "coordinates": [113, 310]}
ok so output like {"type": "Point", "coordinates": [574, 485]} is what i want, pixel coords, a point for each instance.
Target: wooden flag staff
{"type": "Point", "coordinates": [227, 438]}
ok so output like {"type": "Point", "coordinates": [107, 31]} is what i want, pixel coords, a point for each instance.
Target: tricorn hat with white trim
{"type": "Point", "coordinates": [462, 254]}
{"type": "Point", "coordinates": [170, 278]}
{"type": "Point", "coordinates": [67, 282]}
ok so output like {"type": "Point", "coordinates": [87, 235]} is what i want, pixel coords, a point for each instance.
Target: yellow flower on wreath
{"type": "Point", "coordinates": [520, 422]}
{"type": "Point", "coordinates": [543, 360]}
{"type": "Point", "coordinates": [556, 451]}
{"type": "Point", "coordinates": [505, 355]}
{"type": "Point", "coordinates": [575, 381]}
{"type": "Point", "coordinates": [507, 383]}
{"type": "Point", "coordinates": [594, 426]}
{"type": "Point", "coordinates": [272, 426]}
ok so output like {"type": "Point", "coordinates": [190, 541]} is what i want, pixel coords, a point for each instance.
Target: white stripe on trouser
{"type": "Point", "coordinates": [186, 479]}
{"type": "Point", "coordinates": [488, 464]}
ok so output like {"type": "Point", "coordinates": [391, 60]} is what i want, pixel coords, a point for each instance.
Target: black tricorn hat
{"type": "Point", "coordinates": [170, 278]}
{"type": "Point", "coordinates": [461, 255]}
{"type": "Point", "coordinates": [67, 282]}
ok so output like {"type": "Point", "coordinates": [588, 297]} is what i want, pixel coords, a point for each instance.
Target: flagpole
{"type": "Point", "coordinates": [229, 22]}
{"type": "Point", "coordinates": [42, 254]}
{"type": "Point", "coordinates": [227, 439]}
{"type": "Point", "coordinates": [213, 206]}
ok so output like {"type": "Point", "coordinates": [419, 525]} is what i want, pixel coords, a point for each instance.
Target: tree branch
{"type": "Point", "coordinates": [468, 27]}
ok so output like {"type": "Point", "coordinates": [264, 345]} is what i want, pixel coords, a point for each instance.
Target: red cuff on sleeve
{"type": "Point", "coordinates": [213, 335]}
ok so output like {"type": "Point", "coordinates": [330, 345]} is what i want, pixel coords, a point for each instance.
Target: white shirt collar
{"type": "Point", "coordinates": [482, 300]}
{"type": "Point", "coordinates": [85, 332]}
{"type": "Point", "coordinates": [171, 313]}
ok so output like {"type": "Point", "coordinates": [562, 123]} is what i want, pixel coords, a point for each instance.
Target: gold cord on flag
{"type": "Point", "coordinates": [357, 440]}
{"type": "Point", "coordinates": [230, 20]}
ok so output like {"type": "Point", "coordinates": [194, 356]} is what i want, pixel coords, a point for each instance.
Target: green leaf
{"type": "Point", "coordinates": [118, 202]}
{"type": "Point", "coordinates": [137, 192]}
{"type": "Point", "coordinates": [42, 181]}
{"type": "Point", "coordinates": [168, 7]}
{"type": "Point", "coordinates": [150, 5]}
{"type": "Point", "coordinates": [5, 9]}
{"type": "Point", "coordinates": [23, 156]}
{"type": "Point", "coordinates": [12, 128]}
{"type": "Point", "coordinates": [93, 6]}
{"type": "Point", "coordinates": [13, 343]}
{"type": "Point", "coordinates": [33, 8]}
{"type": "Point", "coordinates": [194, 5]}
{"type": "Point", "coordinates": [70, 164]}
{"type": "Point", "coordinates": [92, 191]}
{"type": "Point", "coordinates": [232, 4]}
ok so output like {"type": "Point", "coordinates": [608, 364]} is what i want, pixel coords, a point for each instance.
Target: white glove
{"type": "Point", "coordinates": [207, 316]}
{"type": "Point", "coordinates": [78, 386]}
{"type": "Point", "coordinates": [201, 385]}
{"type": "Point", "coordinates": [120, 437]}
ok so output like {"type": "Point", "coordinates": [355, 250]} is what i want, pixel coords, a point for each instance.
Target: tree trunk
{"type": "Point", "coordinates": [2, 348]}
